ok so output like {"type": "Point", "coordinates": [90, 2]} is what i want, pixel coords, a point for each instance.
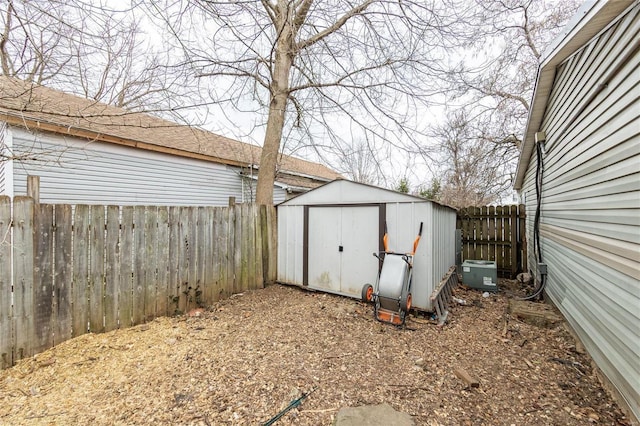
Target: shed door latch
{"type": "Point", "coordinates": [340, 249]}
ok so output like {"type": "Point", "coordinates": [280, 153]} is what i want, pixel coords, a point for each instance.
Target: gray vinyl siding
{"type": "Point", "coordinates": [4, 164]}
{"type": "Point", "coordinates": [3, 182]}
{"type": "Point", "coordinates": [590, 221]}
{"type": "Point", "coordinates": [73, 170]}
{"type": "Point", "coordinates": [2, 178]}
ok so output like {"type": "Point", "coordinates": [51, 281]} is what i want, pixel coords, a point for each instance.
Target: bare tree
{"type": "Point", "coordinates": [360, 161]}
{"type": "Point", "coordinates": [492, 88]}
{"type": "Point", "coordinates": [474, 171]}
{"type": "Point", "coordinates": [27, 50]}
{"type": "Point", "coordinates": [314, 75]}
{"type": "Point", "coordinates": [86, 49]}
{"type": "Point", "coordinates": [314, 68]}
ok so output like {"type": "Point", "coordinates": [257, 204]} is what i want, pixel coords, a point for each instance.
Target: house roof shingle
{"type": "Point", "coordinates": [30, 105]}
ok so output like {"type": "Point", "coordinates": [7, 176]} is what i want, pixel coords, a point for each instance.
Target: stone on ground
{"type": "Point", "coordinates": [372, 415]}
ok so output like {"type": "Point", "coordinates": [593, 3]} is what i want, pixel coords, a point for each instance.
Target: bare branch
{"type": "Point", "coordinates": [339, 23]}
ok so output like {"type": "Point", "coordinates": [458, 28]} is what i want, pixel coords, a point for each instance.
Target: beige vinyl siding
{"type": "Point", "coordinates": [590, 212]}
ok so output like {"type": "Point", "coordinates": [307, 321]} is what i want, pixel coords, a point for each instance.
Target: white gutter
{"type": "Point", "coordinates": [591, 19]}
{"type": "Point", "coordinates": [286, 187]}
{"type": "Point", "coordinates": [299, 174]}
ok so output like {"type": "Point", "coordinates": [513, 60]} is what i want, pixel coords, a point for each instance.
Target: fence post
{"type": "Point", "coordinates": [33, 188]}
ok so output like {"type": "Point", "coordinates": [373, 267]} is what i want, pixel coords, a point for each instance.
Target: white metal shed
{"type": "Point", "coordinates": [327, 237]}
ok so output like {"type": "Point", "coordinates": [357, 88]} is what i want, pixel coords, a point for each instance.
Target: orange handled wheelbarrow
{"type": "Point", "coordinates": [391, 295]}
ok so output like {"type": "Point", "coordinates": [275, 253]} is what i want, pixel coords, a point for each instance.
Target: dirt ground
{"type": "Point", "coordinates": [246, 358]}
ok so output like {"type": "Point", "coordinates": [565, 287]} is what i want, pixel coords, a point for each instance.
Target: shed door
{"type": "Point", "coordinates": [342, 241]}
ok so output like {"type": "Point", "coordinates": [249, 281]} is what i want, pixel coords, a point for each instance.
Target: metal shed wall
{"type": "Point", "coordinates": [290, 244]}
{"type": "Point", "coordinates": [403, 214]}
{"type": "Point", "coordinates": [590, 210]}
{"type": "Point", "coordinates": [74, 170]}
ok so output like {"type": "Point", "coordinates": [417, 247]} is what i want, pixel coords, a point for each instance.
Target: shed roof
{"type": "Point", "coordinates": [341, 191]}
{"type": "Point", "coordinates": [591, 19]}
{"type": "Point", "coordinates": [37, 107]}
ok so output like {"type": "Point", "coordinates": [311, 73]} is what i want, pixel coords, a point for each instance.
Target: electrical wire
{"type": "Point", "coordinates": [536, 223]}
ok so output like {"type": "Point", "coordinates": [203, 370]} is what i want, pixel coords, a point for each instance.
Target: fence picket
{"type": "Point", "coordinates": [192, 286]}
{"type": "Point", "coordinates": [513, 219]}
{"type": "Point", "coordinates": [231, 244]}
{"type": "Point", "coordinates": [139, 265]}
{"type": "Point", "coordinates": [484, 229]}
{"type": "Point", "coordinates": [112, 268]}
{"type": "Point", "coordinates": [6, 340]}
{"type": "Point", "coordinates": [463, 225]}
{"type": "Point", "coordinates": [23, 265]}
{"type": "Point", "coordinates": [522, 232]}
{"type": "Point", "coordinates": [127, 250]}
{"type": "Point", "coordinates": [80, 315]}
{"type": "Point", "coordinates": [222, 247]}
{"type": "Point", "coordinates": [252, 213]}
{"type": "Point", "coordinates": [237, 249]}
{"type": "Point", "coordinates": [175, 257]}
{"type": "Point", "coordinates": [151, 265]}
{"type": "Point", "coordinates": [258, 246]}
{"type": "Point", "coordinates": [207, 255]}
{"type": "Point", "coordinates": [96, 269]}
{"type": "Point", "coordinates": [476, 224]}
{"type": "Point", "coordinates": [492, 238]}
{"type": "Point", "coordinates": [163, 264]}
{"type": "Point", "coordinates": [63, 236]}
{"type": "Point", "coordinates": [43, 277]}
{"type": "Point", "coordinates": [508, 237]}
{"type": "Point", "coordinates": [201, 253]}
{"type": "Point", "coordinates": [183, 265]}
{"type": "Point", "coordinates": [500, 263]}
{"type": "Point", "coordinates": [244, 236]}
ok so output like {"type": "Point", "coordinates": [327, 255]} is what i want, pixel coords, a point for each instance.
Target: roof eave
{"type": "Point", "coordinates": [590, 19]}
{"type": "Point", "coordinates": [43, 125]}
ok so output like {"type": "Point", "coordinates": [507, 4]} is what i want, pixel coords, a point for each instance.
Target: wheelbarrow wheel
{"type": "Point", "coordinates": [405, 302]}
{"type": "Point", "coordinates": [367, 293]}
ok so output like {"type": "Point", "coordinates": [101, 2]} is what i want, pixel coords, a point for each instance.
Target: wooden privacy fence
{"type": "Point", "coordinates": [496, 234]}
{"type": "Point", "coordinates": [79, 269]}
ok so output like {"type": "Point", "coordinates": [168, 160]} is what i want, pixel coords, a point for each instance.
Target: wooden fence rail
{"type": "Point", "coordinates": [496, 234]}
{"type": "Point", "coordinates": [68, 270]}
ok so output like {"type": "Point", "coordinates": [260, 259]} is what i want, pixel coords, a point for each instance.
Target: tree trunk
{"type": "Point", "coordinates": [275, 123]}
{"type": "Point", "coordinates": [270, 150]}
